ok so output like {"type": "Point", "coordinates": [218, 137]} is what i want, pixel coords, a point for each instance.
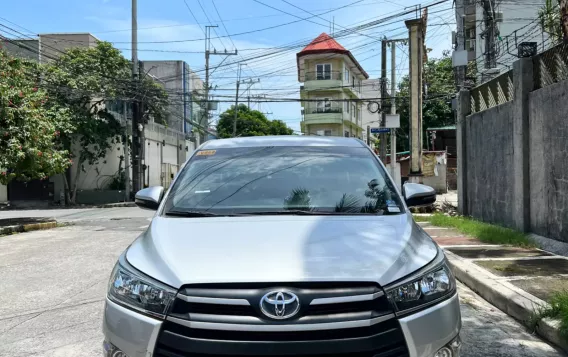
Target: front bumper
{"type": "Point", "coordinates": [425, 332]}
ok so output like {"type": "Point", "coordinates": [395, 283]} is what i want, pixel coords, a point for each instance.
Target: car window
{"type": "Point", "coordinates": [275, 179]}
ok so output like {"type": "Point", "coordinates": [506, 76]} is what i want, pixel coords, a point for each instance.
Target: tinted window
{"type": "Point", "coordinates": [276, 179]}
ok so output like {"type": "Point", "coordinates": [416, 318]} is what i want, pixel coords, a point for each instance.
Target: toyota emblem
{"type": "Point", "coordinates": [280, 304]}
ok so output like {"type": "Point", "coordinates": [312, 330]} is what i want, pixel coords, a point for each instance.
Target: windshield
{"type": "Point", "coordinates": [284, 180]}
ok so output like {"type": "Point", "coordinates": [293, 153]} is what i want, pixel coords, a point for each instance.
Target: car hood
{"type": "Point", "coordinates": [382, 249]}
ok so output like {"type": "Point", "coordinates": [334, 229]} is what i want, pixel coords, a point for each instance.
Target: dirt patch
{"type": "Point", "coordinates": [25, 220]}
{"type": "Point", "coordinates": [543, 288]}
{"type": "Point", "coordinates": [537, 267]}
{"type": "Point", "coordinates": [497, 252]}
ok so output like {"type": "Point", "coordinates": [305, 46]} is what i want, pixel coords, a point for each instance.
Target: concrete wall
{"type": "Point", "coordinates": [549, 161]}
{"type": "Point", "coordinates": [3, 193]}
{"type": "Point", "coordinates": [170, 75]}
{"type": "Point", "coordinates": [439, 183]}
{"type": "Point", "coordinates": [489, 160]}
{"type": "Point", "coordinates": [28, 49]}
{"type": "Point", "coordinates": [53, 44]}
{"type": "Point", "coordinates": [513, 158]}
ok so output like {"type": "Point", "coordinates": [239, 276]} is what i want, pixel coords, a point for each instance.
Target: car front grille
{"type": "Point", "coordinates": [347, 319]}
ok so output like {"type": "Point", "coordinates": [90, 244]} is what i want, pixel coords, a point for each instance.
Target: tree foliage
{"type": "Point", "coordinates": [436, 108]}
{"type": "Point", "coordinates": [29, 124]}
{"type": "Point", "coordinates": [249, 123]}
{"type": "Point", "coordinates": [550, 20]}
{"type": "Point", "coordinates": [82, 80]}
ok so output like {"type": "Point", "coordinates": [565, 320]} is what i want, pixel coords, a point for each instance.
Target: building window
{"type": "Point", "coordinates": [327, 133]}
{"type": "Point", "coordinates": [353, 83]}
{"type": "Point", "coordinates": [347, 75]}
{"type": "Point", "coordinates": [323, 105]}
{"type": "Point", "coordinates": [323, 71]}
{"type": "Point", "coordinates": [346, 134]}
{"type": "Point", "coordinates": [353, 111]}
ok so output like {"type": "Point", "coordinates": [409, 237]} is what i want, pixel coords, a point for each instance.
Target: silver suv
{"type": "Point", "coordinates": [281, 246]}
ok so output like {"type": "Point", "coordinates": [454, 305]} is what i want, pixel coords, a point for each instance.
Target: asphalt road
{"type": "Point", "coordinates": [53, 285]}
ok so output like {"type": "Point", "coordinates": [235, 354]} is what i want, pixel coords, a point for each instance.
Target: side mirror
{"type": "Point", "coordinates": [418, 195]}
{"type": "Point", "coordinates": [149, 198]}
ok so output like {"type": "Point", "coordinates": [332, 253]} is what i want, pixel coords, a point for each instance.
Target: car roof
{"type": "Point", "coordinates": [283, 140]}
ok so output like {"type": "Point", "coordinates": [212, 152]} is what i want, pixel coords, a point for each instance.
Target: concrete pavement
{"type": "Point", "coordinates": [53, 285]}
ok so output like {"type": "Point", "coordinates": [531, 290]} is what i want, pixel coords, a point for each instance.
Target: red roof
{"type": "Point", "coordinates": [323, 43]}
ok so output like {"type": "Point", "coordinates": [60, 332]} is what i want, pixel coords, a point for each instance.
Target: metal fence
{"type": "Point", "coordinates": [495, 92]}
{"type": "Point", "coordinates": [550, 66]}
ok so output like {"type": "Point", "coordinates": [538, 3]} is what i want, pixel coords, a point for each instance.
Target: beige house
{"type": "Point", "coordinates": [331, 93]}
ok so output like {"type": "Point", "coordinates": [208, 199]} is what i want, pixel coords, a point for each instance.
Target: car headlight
{"type": "Point", "coordinates": [131, 289]}
{"type": "Point", "coordinates": [423, 290]}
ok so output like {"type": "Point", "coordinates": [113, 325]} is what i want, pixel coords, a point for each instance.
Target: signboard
{"type": "Point", "coordinates": [380, 130]}
{"type": "Point", "coordinates": [392, 121]}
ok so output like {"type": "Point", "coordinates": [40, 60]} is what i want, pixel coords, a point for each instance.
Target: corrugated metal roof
{"type": "Point", "coordinates": [447, 127]}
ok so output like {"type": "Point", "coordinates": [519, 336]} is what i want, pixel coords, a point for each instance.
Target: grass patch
{"type": "Point", "coordinates": [485, 232]}
{"type": "Point", "coordinates": [558, 309]}
{"type": "Point", "coordinates": [421, 218]}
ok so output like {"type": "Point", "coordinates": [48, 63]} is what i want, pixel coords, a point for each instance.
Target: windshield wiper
{"type": "Point", "coordinates": [195, 214]}
{"type": "Point", "coordinates": [294, 212]}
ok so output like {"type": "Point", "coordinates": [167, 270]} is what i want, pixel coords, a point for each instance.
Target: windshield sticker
{"type": "Point", "coordinates": [394, 209]}
{"type": "Point", "coordinates": [204, 191]}
{"type": "Point", "coordinates": [206, 153]}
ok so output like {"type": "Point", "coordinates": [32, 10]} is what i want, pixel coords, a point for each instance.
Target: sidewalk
{"type": "Point", "coordinates": [516, 280]}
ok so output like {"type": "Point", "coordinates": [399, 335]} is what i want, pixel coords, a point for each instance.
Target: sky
{"type": "Point", "coordinates": [174, 30]}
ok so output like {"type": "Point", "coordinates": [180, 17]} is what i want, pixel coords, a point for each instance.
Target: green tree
{"type": "Point", "coordinates": [249, 123]}
{"type": "Point", "coordinates": [82, 80]}
{"type": "Point", "coordinates": [29, 124]}
{"type": "Point", "coordinates": [437, 108]}
{"type": "Point", "coordinates": [550, 21]}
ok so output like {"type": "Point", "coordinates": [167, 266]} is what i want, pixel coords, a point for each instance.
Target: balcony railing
{"type": "Point", "coordinates": [314, 108]}
{"type": "Point", "coordinates": [324, 76]}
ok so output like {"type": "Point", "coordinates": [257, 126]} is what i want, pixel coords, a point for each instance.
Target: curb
{"type": "Point", "coordinates": [506, 297]}
{"type": "Point", "coordinates": [115, 205]}
{"type": "Point", "coordinates": [27, 227]}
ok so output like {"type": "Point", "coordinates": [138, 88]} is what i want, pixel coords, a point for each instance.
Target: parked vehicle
{"type": "Point", "coordinates": [281, 246]}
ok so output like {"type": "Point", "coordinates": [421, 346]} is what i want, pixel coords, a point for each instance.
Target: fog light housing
{"type": "Point", "coordinates": [452, 349]}
{"type": "Point", "coordinates": [110, 350]}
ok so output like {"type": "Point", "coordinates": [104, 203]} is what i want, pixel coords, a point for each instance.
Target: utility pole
{"type": "Point", "coordinates": [250, 83]}
{"type": "Point", "coordinates": [489, 33]}
{"type": "Point", "coordinates": [393, 109]}
{"type": "Point", "coordinates": [127, 163]}
{"type": "Point", "coordinates": [564, 19]}
{"type": "Point", "coordinates": [383, 136]}
{"type": "Point", "coordinates": [205, 120]}
{"type": "Point", "coordinates": [416, 37]}
{"type": "Point", "coordinates": [142, 134]}
{"type": "Point", "coordinates": [237, 103]}
{"type": "Point", "coordinates": [136, 144]}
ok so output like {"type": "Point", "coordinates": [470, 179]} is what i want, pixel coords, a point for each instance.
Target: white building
{"type": "Point", "coordinates": [371, 116]}
{"type": "Point", "coordinates": [165, 148]}
{"type": "Point", "coordinates": [515, 22]}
